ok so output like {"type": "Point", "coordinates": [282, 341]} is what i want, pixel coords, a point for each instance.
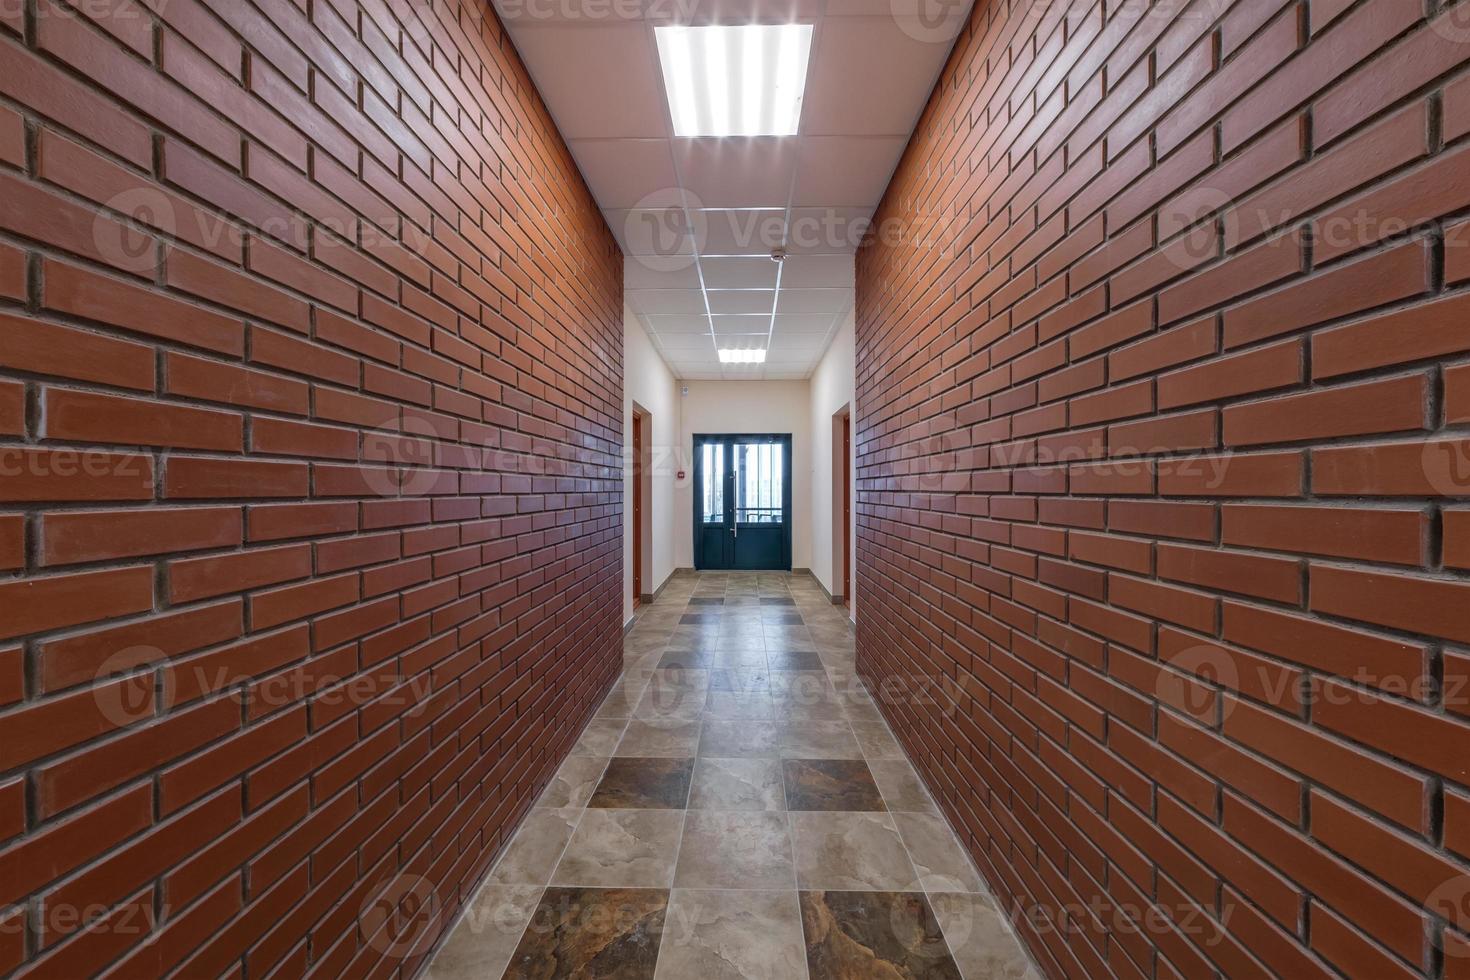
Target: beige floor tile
{"type": "Point", "coordinates": [600, 737]}
{"type": "Point", "coordinates": [900, 785]}
{"type": "Point", "coordinates": [818, 740]}
{"type": "Point", "coordinates": [735, 850]}
{"type": "Point", "coordinates": [622, 849]}
{"type": "Point", "coordinates": [731, 739]}
{"type": "Point", "coordinates": [740, 705]}
{"type": "Point", "coordinates": [726, 935]}
{"type": "Point", "coordinates": [938, 856]}
{"type": "Point", "coordinates": [487, 934]}
{"type": "Point", "coordinates": [850, 851]}
{"type": "Point", "coordinates": [537, 846]}
{"type": "Point", "coordinates": [737, 784]}
{"type": "Point", "coordinates": [574, 782]}
{"type": "Point", "coordinates": [980, 940]}
{"type": "Point", "coordinates": [877, 741]}
{"type": "Point", "coordinates": [660, 738]}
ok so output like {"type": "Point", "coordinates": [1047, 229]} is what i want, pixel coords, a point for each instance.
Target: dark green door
{"type": "Point", "coordinates": [742, 502]}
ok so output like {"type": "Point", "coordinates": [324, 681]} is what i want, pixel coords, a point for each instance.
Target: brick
{"type": "Point", "coordinates": [1392, 535]}
{"type": "Point", "coordinates": [40, 347]}
{"type": "Point", "coordinates": [33, 211]}
{"type": "Point", "coordinates": [81, 536]}
{"type": "Point", "coordinates": [1457, 538]}
{"type": "Point", "coordinates": [72, 290]}
{"type": "Point", "coordinates": [203, 578]}
{"type": "Point", "coordinates": [195, 478]}
{"type": "Point", "coordinates": [1280, 474]}
{"type": "Point", "coordinates": [1392, 338]}
{"type": "Point", "coordinates": [33, 82]}
{"type": "Point", "coordinates": [1394, 274]}
{"type": "Point", "coordinates": [1403, 469]}
{"type": "Point", "coordinates": [77, 416]}
{"type": "Point", "coordinates": [135, 83]}
{"type": "Point", "coordinates": [229, 287]}
{"type": "Point", "coordinates": [193, 377]}
{"type": "Point", "coordinates": [13, 413]}
{"type": "Point", "coordinates": [1263, 369]}
{"type": "Point", "coordinates": [1419, 605]}
{"type": "Point", "coordinates": [1369, 408]}
{"type": "Point", "coordinates": [39, 604]}
{"type": "Point", "coordinates": [78, 658]}
{"type": "Point", "coordinates": [98, 179]}
{"type": "Point", "coordinates": [1392, 791]}
{"type": "Point", "coordinates": [1407, 200]}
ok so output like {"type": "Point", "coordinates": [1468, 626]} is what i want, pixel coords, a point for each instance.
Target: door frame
{"type": "Point", "coordinates": [784, 439]}
{"type": "Point", "coordinates": [842, 563]}
{"type": "Point", "coordinates": [638, 505]}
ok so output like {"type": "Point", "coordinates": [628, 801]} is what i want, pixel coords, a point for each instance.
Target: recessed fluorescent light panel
{"type": "Point", "coordinates": [742, 356]}
{"type": "Point", "coordinates": [735, 81]}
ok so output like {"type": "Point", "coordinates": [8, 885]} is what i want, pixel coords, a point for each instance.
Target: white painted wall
{"type": "Point", "coordinates": [741, 407]}
{"type": "Point", "coordinates": [831, 388]}
{"type": "Point", "coordinates": [648, 381]}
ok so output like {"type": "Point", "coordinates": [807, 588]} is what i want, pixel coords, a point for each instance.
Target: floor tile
{"type": "Point", "coordinates": [592, 932]}
{"type": "Point", "coordinates": [937, 854]}
{"type": "Point", "coordinates": [574, 782]}
{"type": "Point", "coordinates": [737, 784]}
{"type": "Point", "coordinates": [900, 785]}
{"type": "Point", "coordinates": [734, 679]}
{"type": "Point", "coordinates": [748, 658]}
{"type": "Point", "coordinates": [830, 784]}
{"type": "Point", "coordinates": [487, 934]}
{"type": "Point", "coordinates": [746, 705]}
{"type": "Point", "coordinates": [659, 738]}
{"type": "Point", "coordinates": [727, 935]}
{"type": "Point", "coordinates": [980, 939]}
{"type": "Point", "coordinates": [730, 739]}
{"type": "Point", "coordinates": [850, 851]}
{"type": "Point", "coordinates": [622, 849]}
{"type": "Point", "coordinates": [876, 740]}
{"type": "Point", "coordinates": [600, 737]}
{"type": "Point", "coordinates": [686, 659]}
{"type": "Point", "coordinates": [874, 934]}
{"type": "Point", "coordinates": [644, 784]}
{"type": "Point", "coordinates": [818, 740]}
{"type": "Point", "coordinates": [735, 850]}
{"type": "Point", "coordinates": [533, 852]}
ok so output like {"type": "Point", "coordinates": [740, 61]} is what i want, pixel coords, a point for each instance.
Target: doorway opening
{"type": "Point", "coordinates": [842, 506]}
{"type": "Point", "coordinates": [642, 517]}
{"type": "Point", "coordinates": [742, 502]}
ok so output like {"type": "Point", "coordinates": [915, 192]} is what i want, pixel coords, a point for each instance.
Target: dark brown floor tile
{"type": "Point", "coordinates": [830, 784]}
{"type": "Point", "coordinates": [676, 659]}
{"type": "Point", "coordinates": [587, 932]}
{"type": "Point", "coordinates": [857, 935]}
{"type": "Point", "coordinates": [707, 601]}
{"type": "Point", "coordinates": [699, 619]}
{"type": "Point", "coordinates": [793, 660]}
{"type": "Point", "coordinates": [644, 784]}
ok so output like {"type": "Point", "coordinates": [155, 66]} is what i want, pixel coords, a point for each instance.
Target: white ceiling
{"type": "Point", "coordinates": [698, 217]}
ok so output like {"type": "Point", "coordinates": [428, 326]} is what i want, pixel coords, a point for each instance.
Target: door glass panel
{"type": "Point", "coordinates": [760, 491]}
{"type": "Point", "coordinates": [713, 463]}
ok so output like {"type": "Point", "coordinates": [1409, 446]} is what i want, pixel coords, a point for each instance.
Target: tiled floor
{"type": "Point", "coordinates": [737, 809]}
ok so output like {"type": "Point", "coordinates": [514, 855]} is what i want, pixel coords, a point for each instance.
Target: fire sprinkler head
{"type": "Point", "coordinates": [778, 255]}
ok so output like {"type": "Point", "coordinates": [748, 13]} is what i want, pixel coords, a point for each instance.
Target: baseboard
{"type": "Point", "coordinates": [628, 626]}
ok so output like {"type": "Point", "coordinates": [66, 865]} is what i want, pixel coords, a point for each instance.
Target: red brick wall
{"type": "Point", "coordinates": [310, 512]}
{"type": "Point", "coordinates": [1163, 356]}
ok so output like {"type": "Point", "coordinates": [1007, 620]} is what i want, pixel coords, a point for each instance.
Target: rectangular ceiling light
{"type": "Point", "coordinates": [735, 81]}
{"type": "Point", "coordinates": [742, 356]}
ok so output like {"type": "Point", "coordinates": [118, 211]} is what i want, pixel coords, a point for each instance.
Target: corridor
{"type": "Point", "coordinates": [736, 810]}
